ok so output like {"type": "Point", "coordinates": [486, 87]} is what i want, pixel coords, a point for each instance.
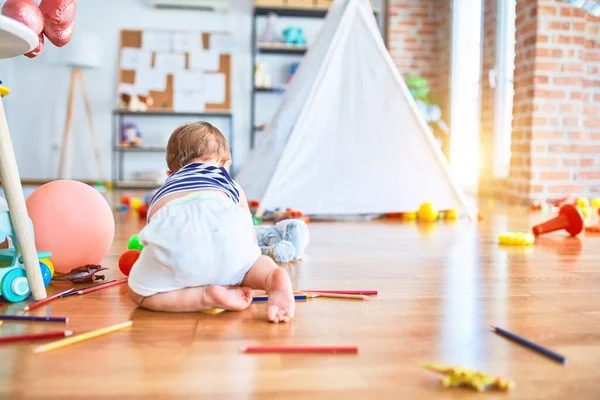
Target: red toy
{"type": "Point", "coordinates": [127, 260]}
{"type": "Point", "coordinates": [569, 218]}
{"type": "Point", "coordinates": [125, 200]}
{"type": "Point", "coordinates": [143, 211]}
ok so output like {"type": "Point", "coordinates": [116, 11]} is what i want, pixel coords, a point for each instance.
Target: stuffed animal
{"type": "Point", "coordinates": [285, 241]}
{"type": "Point", "coordinates": [130, 135]}
{"type": "Point", "coordinates": [135, 102]}
{"type": "Point", "coordinates": [294, 35]}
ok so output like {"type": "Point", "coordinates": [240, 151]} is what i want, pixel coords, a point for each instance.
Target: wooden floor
{"type": "Point", "coordinates": [440, 288]}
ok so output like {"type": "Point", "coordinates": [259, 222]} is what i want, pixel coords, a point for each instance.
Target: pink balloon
{"type": "Point", "coordinates": [72, 221]}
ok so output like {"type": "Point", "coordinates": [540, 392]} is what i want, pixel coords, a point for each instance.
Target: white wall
{"type": "Point", "coordinates": [37, 105]}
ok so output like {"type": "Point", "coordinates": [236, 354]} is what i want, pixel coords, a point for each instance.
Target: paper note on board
{"type": "Point", "coordinates": [188, 80]}
{"type": "Point", "coordinates": [169, 62]}
{"type": "Point", "coordinates": [214, 88]}
{"type": "Point", "coordinates": [188, 101]}
{"type": "Point", "coordinates": [222, 42]}
{"type": "Point", "coordinates": [184, 42]}
{"type": "Point", "coordinates": [156, 41]}
{"type": "Point", "coordinates": [204, 60]}
{"type": "Point", "coordinates": [132, 58]}
{"type": "Point", "coordinates": [147, 79]}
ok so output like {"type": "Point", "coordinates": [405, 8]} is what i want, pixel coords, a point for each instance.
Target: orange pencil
{"type": "Point", "coordinates": [46, 300]}
{"type": "Point", "coordinates": [100, 287]}
{"type": "Point", "coordinates": [299, 349]}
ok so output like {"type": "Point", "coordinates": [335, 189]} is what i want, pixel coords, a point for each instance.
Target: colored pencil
{"type": "Point", "coordinates": [30, 318]}
{"type": "Point", "coordinates": [76, 292]}
{"type": "Point", "coordinates": [46, 300]}
{"type": "Point", "coordinates": [104, 286]}
{"type": "Point", "coordinates": [80, 338]}
{"type": "Point", "coordinates": [531, 345]}
{"type": "Point", "coordinates": [365, 292]}
{"type": "Point", "coordinates": [340, 295]}
{"type": "Point", "coordinates": [36, 336]}
{"type": "Point", "coordinates": [296, 297]}
{"type": "Point", "coordinates": [300, 349]}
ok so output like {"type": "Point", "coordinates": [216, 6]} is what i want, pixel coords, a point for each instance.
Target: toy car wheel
{"type": "Point", "coordinates": [15, 286]}
{"type": "Point", "coordinates": [46, 274]}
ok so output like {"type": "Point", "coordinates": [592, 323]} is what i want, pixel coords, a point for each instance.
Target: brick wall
{"type": "Point", "coordinates": [488, 58]}
{"type": "Point", "coordinates": [556, 127]}
{"type": "Point", "coordinates": [419, 42]}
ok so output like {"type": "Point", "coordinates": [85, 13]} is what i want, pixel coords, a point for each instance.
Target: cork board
{"type": "Point", "coordinates": [163, 100]}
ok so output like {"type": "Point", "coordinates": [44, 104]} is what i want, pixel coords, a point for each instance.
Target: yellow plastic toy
{"type": "Point", "coordinates": [451, 214]}
{"type": "Point", "coordinates": [428, 212]}
{"type": "Point", "coordinates": [583, 202]}
{"type": "Point", "coordinates": [596, 202]}
{"type": "Point", "coordinates": [4, 91]}
{"type": "Point", "coordinates": [411, 216]}
{"type": "Point", "coordinates": [136, 202]}
{"type": "Point", "coordinates": [516, 239]}
{"type": "Point", "coordinates": [458, 376]}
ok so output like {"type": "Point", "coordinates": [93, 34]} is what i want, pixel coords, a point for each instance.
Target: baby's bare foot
{"type": "Point", "coordinates": [281, 304]}
{"type": "Point", "coordinates": [235, 299]}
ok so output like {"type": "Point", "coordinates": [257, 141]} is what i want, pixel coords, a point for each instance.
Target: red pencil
{"type": "Point", "coordinates": [300, 349]}
{"type": "Point", "coordinates": [46, 300]}
{"type": "Point", "coordinates": [100, 287]}
{"type": "Point", "coordinates": [36, 336]}
{"type": "Point", "coordinates": [367, 292]}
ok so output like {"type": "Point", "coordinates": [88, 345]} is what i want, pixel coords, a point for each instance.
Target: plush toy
{"type": "Point", "coordinates": [53, 19]}
{"type": "Point", "coordinates": [135, 102]}
{"type": "Point", "coordinates": [294, 35]}
{"type": "Point", "coordinates": [130, 135]}
{"type": "Point", "coordinates": [285, 241]}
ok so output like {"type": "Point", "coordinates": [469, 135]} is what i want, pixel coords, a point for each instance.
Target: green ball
{"type": "Point", "coordinates": [134, 243]}
{"type": "Point", "coordinates": [256, 221]}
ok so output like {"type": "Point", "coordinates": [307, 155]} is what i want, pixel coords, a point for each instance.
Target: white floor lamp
{"type": "Point", "coordinates": [15, 40]}
{"type": "Point", "coordinates": [84, 54]}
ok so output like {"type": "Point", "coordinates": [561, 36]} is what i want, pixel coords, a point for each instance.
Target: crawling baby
{"type": "Point", "coordinates": [200, 237]}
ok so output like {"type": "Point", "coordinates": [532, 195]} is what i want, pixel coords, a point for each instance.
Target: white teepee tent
{"type": "Point", "coordinates": [348, 138]}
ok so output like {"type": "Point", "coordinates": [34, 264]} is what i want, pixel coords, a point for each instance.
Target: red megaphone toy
{"type": "Point", "coordinates": [569, 218]}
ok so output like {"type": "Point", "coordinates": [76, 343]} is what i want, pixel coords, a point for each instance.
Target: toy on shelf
{"type": "Point", "coordinates": [130, 135]}
{"type": "Point", "coordinates": [262, 78]}
{"type": "Point", "coordinates": [14, 286]}
{"type": "Point", "coordinates": [284, 242]}
{"type": "Point", "coordinates": [459, 376]}
{"type": "Point", "coordinates": [516, 239]}
{"type": "Point", "coordinates": [293, 68]}
{"type": "Point", "coordinates": [294, 36]}
{"type": "Point", "coordinates": [135, 102]}
{"type": "Point", "coordinates": [85, 273]}
{"type": "Point", "coordinates": [269, 35]}
{"type": "Point", "coordinates": [427, 212]}
{"type": "Point", "coordinates": [569, 218]}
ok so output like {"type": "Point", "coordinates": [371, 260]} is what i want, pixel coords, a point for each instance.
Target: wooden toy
{"type": "Point", "coordinates": [14, 285]}
{"type": "Point", "coordinates": [569, 218]}
{"type": "Point", "coordinates": [33, 319]}
{"type": "Point", "coordinates": [427, 212]}
{"type": "Point", "coordinates": [80, 338]}
{"type": "Point", "coordinates": [85, 273]}
{"type": "Point", "coordinates": [35, 336]}
{"type": "Point", "coordinates": [529, 344]}
{"type": "Point", "coordinates": [47, 300]}
{"type": "Point", "coordinates": [127, 260]}
{"type": "Point", "coordinates": [134, 243]}
{"type": "Point", "coordinates": [458, 376]}
{"type": "Point", "coordinates": [300, 349]}
{"type": "Point", "coordinates": [516, 239]}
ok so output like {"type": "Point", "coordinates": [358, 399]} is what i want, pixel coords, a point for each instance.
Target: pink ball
{"type": "Point", "coordinates": [72, 221]}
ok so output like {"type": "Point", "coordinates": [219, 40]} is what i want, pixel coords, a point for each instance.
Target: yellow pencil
{"type": "Point", "coordinates": [337, 295]}
{"type": "Point", "coordinates": [80, 338]}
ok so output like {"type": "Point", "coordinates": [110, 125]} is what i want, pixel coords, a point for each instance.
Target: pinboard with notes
{"type": "Point", "coordinates": [181, 71]}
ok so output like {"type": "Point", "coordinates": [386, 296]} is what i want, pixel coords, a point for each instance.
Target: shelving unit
{"type": "Point", "coordinates": [276, 49]}
{"type": "Point", "coordinates": [119, 151]}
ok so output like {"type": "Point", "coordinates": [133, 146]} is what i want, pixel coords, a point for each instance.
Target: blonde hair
{"type": "Point", "coordinates": [196, 140]}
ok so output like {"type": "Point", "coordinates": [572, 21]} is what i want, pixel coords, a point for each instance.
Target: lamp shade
{"type": "Point", "coordinates": [84, 51]}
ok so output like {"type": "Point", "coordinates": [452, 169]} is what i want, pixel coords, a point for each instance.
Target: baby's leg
{"type": "Point", "coordinates": [266, 275]}
{"type": "Point", "coordinates": [194, 299]}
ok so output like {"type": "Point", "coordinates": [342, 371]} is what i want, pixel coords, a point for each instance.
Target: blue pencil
{"type": "Point", "coordinates": [265, 298]}
{"type": "Point", "coordinates": [31, 318]}
{"type": "Point", "coordinates": [531, 345]}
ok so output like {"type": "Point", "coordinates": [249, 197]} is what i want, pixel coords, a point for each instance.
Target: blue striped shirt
{"type": "Point", "coordinates": [197, 176]}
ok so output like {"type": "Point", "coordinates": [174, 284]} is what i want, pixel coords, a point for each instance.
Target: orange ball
{"type": "Point", "coordinates": [126, 200]}
{"type": "Point", "coordinates": [127, 260]}
{"type": "Point", "coordinates": [72, 221]}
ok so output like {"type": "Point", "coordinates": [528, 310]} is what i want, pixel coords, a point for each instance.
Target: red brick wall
{"type": "Point", "coordinates": [419, 42]}
{"type": "Point", "coordinates": [556, 127]}
{"type": "Point", "coordinates": [488, 58]}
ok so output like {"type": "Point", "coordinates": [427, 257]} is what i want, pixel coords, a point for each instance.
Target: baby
{"type": "Point", "coordinates": [200, 237]}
